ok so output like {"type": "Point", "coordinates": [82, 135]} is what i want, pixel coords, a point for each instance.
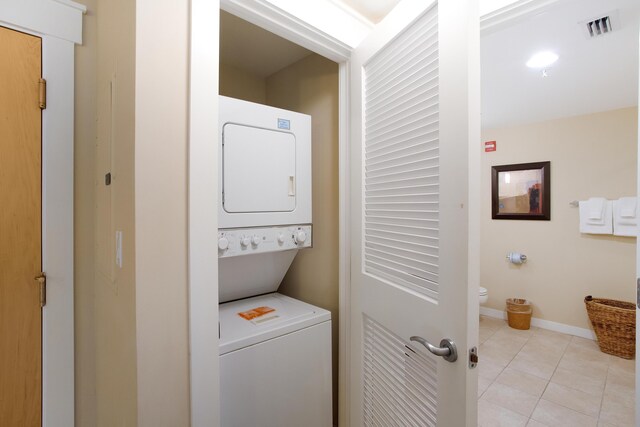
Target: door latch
{"type": "Point", "coordinates": [473, 357]}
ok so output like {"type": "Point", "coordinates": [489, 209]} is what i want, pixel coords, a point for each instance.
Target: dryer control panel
{"type": "Point", "coordinates": [247, 241]}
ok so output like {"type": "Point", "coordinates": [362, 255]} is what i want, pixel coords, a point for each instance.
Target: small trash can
{"type": "Point", "coordinates": [519, 313]}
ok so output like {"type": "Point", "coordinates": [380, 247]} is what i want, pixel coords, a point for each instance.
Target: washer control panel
{"type": "Point", "coordinates": [247, 241]}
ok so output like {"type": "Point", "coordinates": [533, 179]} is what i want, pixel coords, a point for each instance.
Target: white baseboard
{"type": "Point", "coordinates": [544, 324]}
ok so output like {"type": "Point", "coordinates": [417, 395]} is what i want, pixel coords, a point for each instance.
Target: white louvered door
{"type": "Point", "coordinates": [415, 115]}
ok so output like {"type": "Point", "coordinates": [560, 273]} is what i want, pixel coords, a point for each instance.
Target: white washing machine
{"type": "Point", "coordinates": [275, 369]}
{"type": "Point", "coordinates": [275, 351]}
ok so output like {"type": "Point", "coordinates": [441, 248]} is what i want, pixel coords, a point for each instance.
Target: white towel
{"type": "Point", "coordinates": [628, 206]}
{"type": "Point", "coordinates": [625, 222]}
{"type": "Point", "coordinates": [589, 226]}
{"type": "Point", "coordinates": [596, 208]}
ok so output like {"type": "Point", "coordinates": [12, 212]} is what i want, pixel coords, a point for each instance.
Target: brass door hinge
{"type": "Point", "coordinates": [42, 282]}
{"type": "Point", "coordinates": [42, 93]}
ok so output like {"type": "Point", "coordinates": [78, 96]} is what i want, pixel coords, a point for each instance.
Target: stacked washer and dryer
{"type": "Point", "coordinates": [275, 351]}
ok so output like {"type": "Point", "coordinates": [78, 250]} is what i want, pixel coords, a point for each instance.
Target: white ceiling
{"type": "Point", "coordinates": [591, 75]}
{"type": "Point", "coordinates": [253, 49]}
{"type": "Point", "coordinates": [372, 10]}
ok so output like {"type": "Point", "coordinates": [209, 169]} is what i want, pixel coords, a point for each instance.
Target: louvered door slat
{"type": "Point", "coordinates": [397, 176]}
{"type": "Point", "coordinates": [414, 39]}
{"type": "Point", "coordinates": [402, 228]}
{"type": "Point", "coordinates": [418, 189]}
{"type": "Point", "coordinates": [430, 166]}
{"type": "Point", "coordinates": [417, 264]}
{"type": "Point", "coordinates": [418, 142]}
{"type": "Point", "coordinates": [399, 383]}
{"type": "Point", "coordinates": [395, 89]}
{"type": "Point", "coordinates": [394, 51]}
{"type": "Point", "coordinates": [386, 385]}
{"type": "Point", "coordinates": [401, 159]}
{"type": "Point", "coordinates": [407, 253]}
{"type": "Point", "coordinates": [400, 214]}
{"type": "Point", "coordinates": [401, 117]}
{"type": "Point", "coordinates": [403, 244]}
{"type": "Point", "coordinates": [409, 93]}
{"type": "Point", "coordinates": [426, 89]}
{"type": "Point", "coordinates": [393, 134]}
{"type": "Point", "coordinates": [400, 401]}
{"type": "Point", "coordinates": [403, 182]}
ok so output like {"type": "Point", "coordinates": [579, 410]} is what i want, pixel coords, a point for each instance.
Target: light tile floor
{"type": "Point", "coordinates": [543, 378]}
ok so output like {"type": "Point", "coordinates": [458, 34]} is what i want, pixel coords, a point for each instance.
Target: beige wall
{"type": "Point", "coordinates": [115, 296]}
{"type": "Point", "coordinates": [84, 219]}
{"type": "Point", "coordinates": [241, 84]}
{"type": "Point", "coordinates": [111, 388]}
{"type": "Point", "coordinates": [161, 87]}
{"type": "Point", "coordinates": [593, 155]}
{"type": "Point", "coordinates": [310, 86]}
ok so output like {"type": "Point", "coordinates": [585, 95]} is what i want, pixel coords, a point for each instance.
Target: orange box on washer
{"type": "Point", "coordinates": [255, 312]}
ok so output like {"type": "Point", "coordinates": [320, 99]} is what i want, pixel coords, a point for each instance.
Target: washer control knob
{"type": "Point", "coordinates": [244, 241]}
{"type": "Point", "coordinates": [280, 238]}
{"type": "Point", "coordinates": [223, 243]}
{"type": "Point", "coordinates": [255, 240]}
{"type": "Point", "coordinates": [301, 236]}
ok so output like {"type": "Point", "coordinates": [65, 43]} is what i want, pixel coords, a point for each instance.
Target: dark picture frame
{"type": "Point", "coordinates": [521, 191]}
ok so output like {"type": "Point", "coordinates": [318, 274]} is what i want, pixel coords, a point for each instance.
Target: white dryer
{"type": "Point", "coordinates": [264, 165]}
{"type": "Point", "coordinates": [265, 193]}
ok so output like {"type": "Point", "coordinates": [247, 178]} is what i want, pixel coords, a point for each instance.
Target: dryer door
{"type": "Point", "coordinates": [259, 169]}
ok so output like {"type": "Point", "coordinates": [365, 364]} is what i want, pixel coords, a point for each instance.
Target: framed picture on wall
{"type": "Point", "coordinates": [521, 191]}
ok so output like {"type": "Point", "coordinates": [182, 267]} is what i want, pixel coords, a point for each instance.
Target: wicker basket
{"type": "Point", "coordinates": [519, 313]}
{"type": "Point", "coordinates": [614, 323]}
{"type": "Point", "coordinates": [518, 305]}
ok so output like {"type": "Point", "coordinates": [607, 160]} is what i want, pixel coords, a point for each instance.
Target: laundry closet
{"type": "Point", "coordinates": [257, 69]}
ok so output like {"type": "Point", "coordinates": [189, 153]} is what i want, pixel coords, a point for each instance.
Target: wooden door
{"type": "Point", "coordinates": [20, 230]}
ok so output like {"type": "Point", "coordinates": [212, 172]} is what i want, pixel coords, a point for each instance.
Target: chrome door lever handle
{"type": "Point", "coordinates": [447, 349]}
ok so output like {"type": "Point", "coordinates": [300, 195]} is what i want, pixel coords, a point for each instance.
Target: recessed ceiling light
{"type": "Point", "coordinates": [542, 59]}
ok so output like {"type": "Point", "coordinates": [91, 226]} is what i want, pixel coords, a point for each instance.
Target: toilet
{"type": "Point", "coordinates": [483, 294]}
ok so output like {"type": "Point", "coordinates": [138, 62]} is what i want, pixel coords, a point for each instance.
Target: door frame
{"type": "Point", "coordinates": [59, 24]}
{"type": "Point", "coordinates": [637, 383]}
{"type": "Point", "coordinates": [203, 296]}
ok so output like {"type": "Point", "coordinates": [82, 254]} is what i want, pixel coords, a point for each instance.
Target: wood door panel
{"type": "Point", "coordinates": [20, 230]}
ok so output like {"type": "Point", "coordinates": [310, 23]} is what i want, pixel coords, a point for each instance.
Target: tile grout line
{"type": "Point", "coordinates": [541, 394]}
{"type": "Point", "coordinates": [604, 390]}
{"type": "Point", "coordinates": [493, 380]}
{"type": "Point", "coordinates": [547, 381]}
{"type": "Point", "coordinates": [572, 339]}
{"type": "Point", "coordinates": [564, 406]}
{"type": "Point", "coordinates": [506, 326]}
{"type": "Point", "coordinates": [554, 372]}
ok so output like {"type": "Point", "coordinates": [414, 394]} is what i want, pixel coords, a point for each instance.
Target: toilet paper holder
{"type": "Point", "coordinates": [516, 258]}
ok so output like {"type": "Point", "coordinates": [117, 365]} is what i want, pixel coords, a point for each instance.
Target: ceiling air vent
{"type": "Point", "coordinates": [600, 26]}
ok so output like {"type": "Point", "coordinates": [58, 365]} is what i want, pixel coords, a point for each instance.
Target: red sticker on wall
{"type": "Point", "coordinates": [489, 146]}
